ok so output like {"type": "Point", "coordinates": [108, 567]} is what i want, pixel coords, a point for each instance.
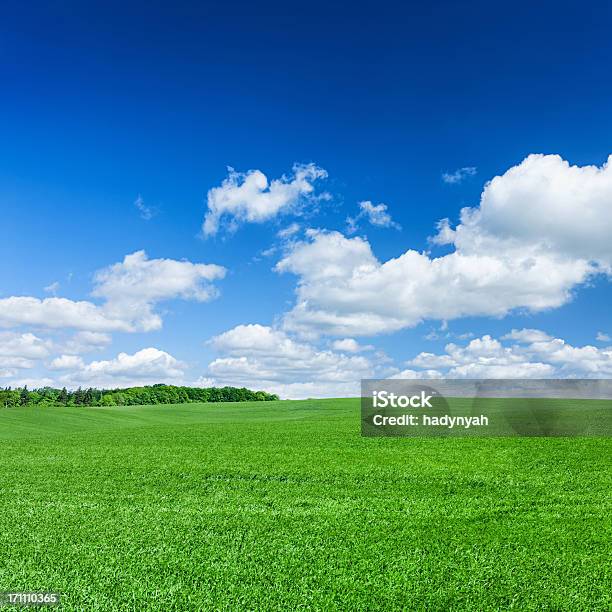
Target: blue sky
{"type": "Point", "coordinates": [108, 102]}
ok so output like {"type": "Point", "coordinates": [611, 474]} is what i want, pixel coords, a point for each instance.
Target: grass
{"type": "Point", "coordinates": [284, 506]}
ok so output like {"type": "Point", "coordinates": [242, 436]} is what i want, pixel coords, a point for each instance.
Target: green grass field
{"type": "Point", "coordinates": [283, 505]}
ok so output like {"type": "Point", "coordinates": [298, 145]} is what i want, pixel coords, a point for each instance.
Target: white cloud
{"type": "Point", "coordinates": [601, 337]}
{"type": "Point", "coordinates": [66, 362]}
{"type": "Point", "coordinates": [10, 365]}
{"type": "Point", "coordinates": [250, 197]}
{"type": "Point", "coordinates": [21, 351]}
{"type": "Point", "coordinates": [57, 313]}
{"type": "Point", "coordinates": [146, 212]}
{"type": "Point", "coordinates": [130, 289]}
{"type": "Point", "coordinates": [445, 235]}
{"type": "Point", "coordinates": [85, 342]}
{"type": "Point", "coordinates": [547, 206]}
{"type": "Point", "coordinates": [145, 367]}
{"type": "Point", "coordinates": [350, 345]}
{"type": "Point", "coordinates": [261, 357]}
{"type": "Point", "coordinates": [289, 231]}
{"type": "Point", "coordinates": [31, 383]}
{"type": "Point", "coordinates": [535, 355]}
{"type": "Point", "coordinates": [458, 175]}
{"type": "Point", "coordinates": [417, 374]}
{"type": "Point", "coordinates": [26, 345]}
{"type": "Point", "coordinates": [344, 290]}
{"type": "Point", "coordinates": [527, 335]}
{"type": "Point", "coordinates": [509, 370]}
{"type": "Point", "coordinates": [569, 360]}
{"type": "Point", "coordinates": [53, 288]}
{"type": "Point", "coordinates": [541, 230]}
{"type": "Point", "coordinates": [486, 358]}
{"type": "Point", "coordinates": [376, 214]}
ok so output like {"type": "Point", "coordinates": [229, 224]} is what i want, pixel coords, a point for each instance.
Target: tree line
{"type": "Point", "coordinates": [132, 396]}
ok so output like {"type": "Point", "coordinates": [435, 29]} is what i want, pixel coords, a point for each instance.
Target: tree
{"type": "Point", "coordinates": [24, 396]}
{"type": "Point", "coordinates": [107, 400]}
{"type": "Point", "coordinates": [131, 396]}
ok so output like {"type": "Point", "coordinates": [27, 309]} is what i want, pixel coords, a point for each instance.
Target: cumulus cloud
{"type": "Point", "coordinates": [10, 365]}
{"type": "Point", "coordinates": [541, 230]}
{"type": "Point", "coordinates": [250, 197]}
{"type": "Point", "coordinates": [417, 374]}
{"type": "Point", "coordinates": [483, 358]}
{"type": "Point", "coordinates": [344, 290]}
{"type": "Point", "coordinates": [21, 351]}
{"type": "Point", "coordinates": [85, 342]}
{"type": "Point", "coordinates": [350, 345]}
{"type": "Point", "coordinates": [57, 313]}
{"type": "Point", "coordinates": [445, 235]}
{"type": "Point", "coordinates": [458, 175]}
{"type": "Point", "coordinates": [66, 362]}
{"type": "Point", "coordinates": [261, 357]}
{"type": "Point", "coordinates": [376, 214]}
{"type": "Point", "coordinates": [528, 353]}
{"type": "Point", "coordinates": [602, 337]}
{"type": "Point", "coordinates": [145, 367]}
{"type": "Point", "coordinates": [527, 335]}
{"type": "Point", "coordinates": [130, 289]}
{"type": "Point", "coordinates": [26, 345]}
{"type": "Point", "coordinates": [545, 205]}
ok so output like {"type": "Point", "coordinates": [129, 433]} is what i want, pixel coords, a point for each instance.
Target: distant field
{"type": "Point", "coordinates": [282, 505]}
